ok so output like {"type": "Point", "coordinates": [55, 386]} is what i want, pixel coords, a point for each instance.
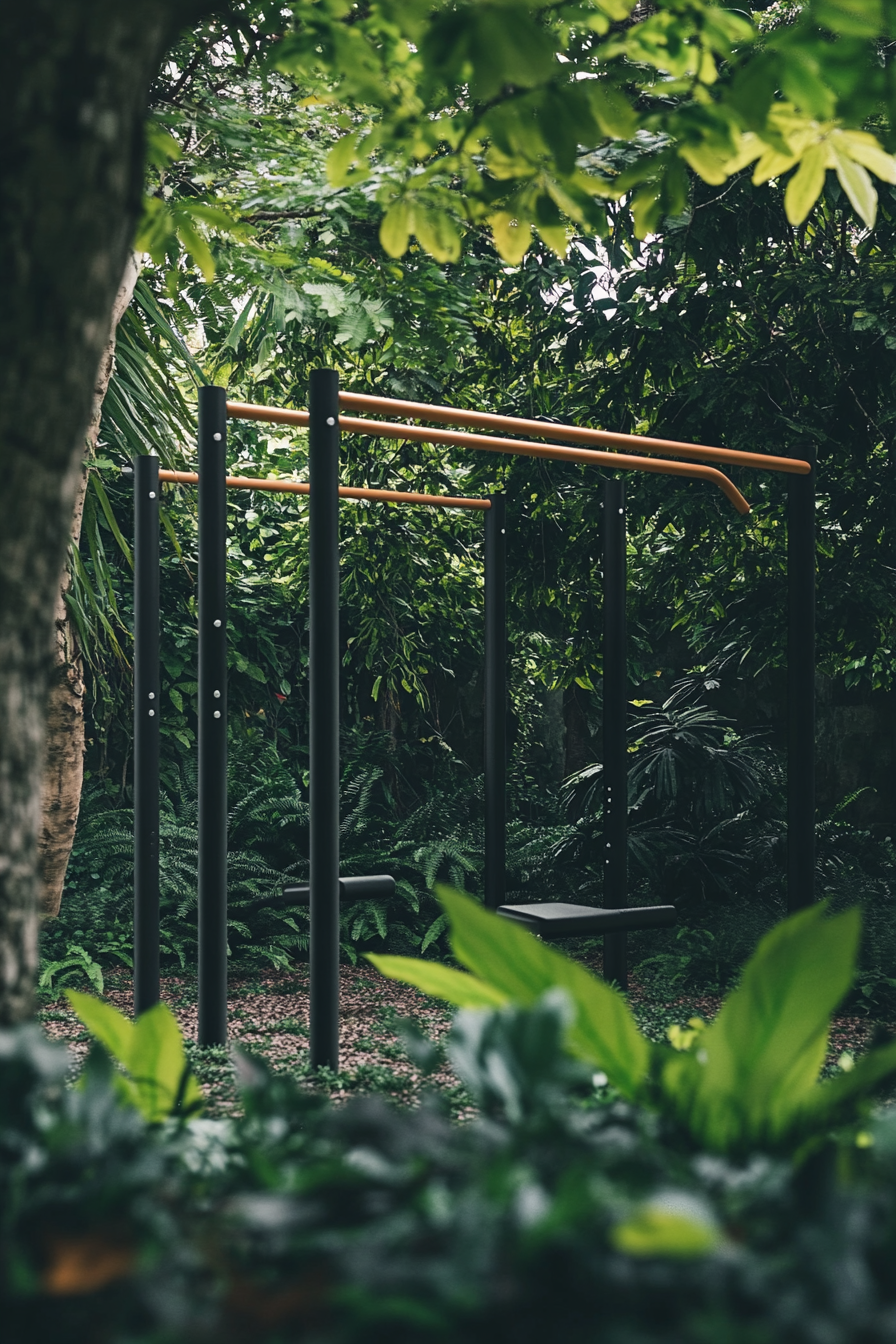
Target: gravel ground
{"type": "Point", "coordinates": [268, 1017]}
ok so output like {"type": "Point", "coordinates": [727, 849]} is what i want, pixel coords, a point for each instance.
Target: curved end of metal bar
{"type": "Point", "coordinates": [728, 488]}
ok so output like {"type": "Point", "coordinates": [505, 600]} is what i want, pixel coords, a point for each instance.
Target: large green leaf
{"type": "Point", "coordinates": [110, 1027]}
{"type": "Point", "coordinates": [159, 1068]}
{"type": "Point", "coordinates": [151, 1050]}
{"type": "Point", "coordinates": [507, 956]}
{"type": "Point", "coordinates": [760, 1059]}
{"type": "Point", "coordinates": [442, 982]}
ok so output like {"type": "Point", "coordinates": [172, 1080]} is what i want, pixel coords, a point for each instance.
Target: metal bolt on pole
{"type": "Point", "coordinates": [146, 732]}
{"type": "Point", "coordinates": [495, 781]}
{"type": "Point", "coordinates": [801, 691]}
{"type": "Point", "coordinates": [615, 713]}
{"type": "Point", "coordinates": [212, 717]}
{"type": "Point", "coordinates": [323, 667]}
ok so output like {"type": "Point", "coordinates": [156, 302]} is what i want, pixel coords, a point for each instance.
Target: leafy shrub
{"type": "Point", "coordinates": [561, 1211]}
{"type": "Point", "coordinates": [435, 836]}
{"type": "Point", "coordinates": [750, 1079]}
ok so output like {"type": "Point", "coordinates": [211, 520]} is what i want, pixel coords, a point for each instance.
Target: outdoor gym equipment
{"type": "Point", "coordinates": [325, 423]}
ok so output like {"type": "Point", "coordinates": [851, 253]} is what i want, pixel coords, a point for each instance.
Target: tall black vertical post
{"type": "Point", "coordinates": [212, 717]}
{"type": "Point", "coordinates": [801, 691]}
{"type": "Point", "coordinates": [615, 714]}
{"type": "Point", "coordinates": [323, 666]}
{"type": "Point", "coordinates": [146, 732]}
{"type": "Point", "coordinates": [495, 701]}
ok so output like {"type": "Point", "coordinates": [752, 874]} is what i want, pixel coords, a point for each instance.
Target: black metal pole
{"type": "Point", "coordinates": [495, 726]}
{"type": "Point", "coordinates": [615, 714]}
{"type": "Point", "coordinates": [212, 717]}
{"type": "Point", "coordinates": [323, 667]}
{"type": "Point", "coordinates": [801, 691]}
{"type": "Point", "coordinates": [146, 732]}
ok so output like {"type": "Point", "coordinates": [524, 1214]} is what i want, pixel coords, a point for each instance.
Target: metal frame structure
{"type": "Point", "coordinates": [326, 422]}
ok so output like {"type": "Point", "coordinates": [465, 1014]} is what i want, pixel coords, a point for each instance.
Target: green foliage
{"type": "Point", "coordinates": [157, 1079]}
{"type": "Point", "coordinates": [77, 961]}
{"type": "Point", "coordinates": [721, 328]}
{"type": "Point", "coordinates": [749, 1080]}
{"type": "Point", "coordinates": [498, 113]}
{"type": "Point", "coordinates": [555, 1203]}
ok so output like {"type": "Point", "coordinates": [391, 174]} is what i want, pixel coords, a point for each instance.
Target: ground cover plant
{"type": "Point", "coordinates": [748, 1206]}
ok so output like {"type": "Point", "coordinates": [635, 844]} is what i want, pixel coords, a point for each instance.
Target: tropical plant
{"type": "Point", "coordinates": [748, 1080]}
{"type": "Point", "coordinates": [156, 1077]}
{"type": "Point", "coordinates": [557, 1202]}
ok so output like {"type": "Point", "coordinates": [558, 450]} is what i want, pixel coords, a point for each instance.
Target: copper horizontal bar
{"type": "Point", "coordinates": [242, 410]}
{"type": "Point", "coordinates": [450, 415]}
{"type": "Point", "coordinates": [523, 448]}
{"type": "Point", "coordinates": [345, 491]}
{"type": "Point", "coordinates": [488, 443]}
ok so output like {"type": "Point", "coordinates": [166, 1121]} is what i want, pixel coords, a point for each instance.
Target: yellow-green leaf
{"type": "Point", "coordinates": [806, 185]}
{"type": "Point", "coordinates": [436, 233]}
{"type": "Point", "coordinates": [758, 1063]}
{"type": "Point", "coordinates": [867, 150]}
{"type": "Point", "coordinates": [554, 235]}
{"type": "Point", "coordinates": [395, 229]}
{"type": "Point", "coordinates": [512, 237]}
{"type": "Point", "coordinates": [669, 1225]}
{"type": "Point", "coordinates": [714, 168]}
{"type": "Point", "coordinates": [196, 245]}
{"type": "Point", "coordinates": [110, 1027]}
{"type": "Point", "coordinates": [611, 110]}
{"type": "Point", "coordinates": [442, 982]}
{"type": "Point", "coordinates": [856, 183]}
{"type": "Point", "coordinates": [342, 159]}
{"type": "Point", "coordinates": [158, 1065]}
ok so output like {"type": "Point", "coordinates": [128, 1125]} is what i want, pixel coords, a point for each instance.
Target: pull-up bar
{"type": "Point", "coordinates": [325, 425]}
{"type": "Point", "coordinates": [491, 444]}
{"type": "Point", "coordinates": [544, 429]}
{"type": "Point", "coordinates": [345, 491]}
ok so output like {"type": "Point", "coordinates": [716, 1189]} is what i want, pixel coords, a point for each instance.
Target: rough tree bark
{"type": "Point", "coordinates": [74, 81]}
{"type": "Point", "coordinates": [64, 758]}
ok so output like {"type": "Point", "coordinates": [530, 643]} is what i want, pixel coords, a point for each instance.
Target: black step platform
{"type": "Point", "coordinates": [557, 919]}
{"type": "Point", "coordinates": [350, 889]}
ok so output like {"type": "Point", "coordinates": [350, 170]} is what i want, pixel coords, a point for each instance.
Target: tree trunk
{"type": "Point", "coordinates": [64, 759]}
{"type": "Point", "coordinates": [74, 81]}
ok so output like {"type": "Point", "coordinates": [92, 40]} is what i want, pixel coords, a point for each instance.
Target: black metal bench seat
{"type": "Point", "coordinates": [558, 919]}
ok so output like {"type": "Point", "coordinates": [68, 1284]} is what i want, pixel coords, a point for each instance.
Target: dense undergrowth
{"type": "Point", "coordinates": [646, 1191]}
{"type": "Point", "coordinates": [707, 833]}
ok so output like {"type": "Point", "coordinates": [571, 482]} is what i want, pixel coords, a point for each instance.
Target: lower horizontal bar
{"type": "Point", "coordinates": [345, 491]}
{"type": "Point", "coordinates": [350, 889]}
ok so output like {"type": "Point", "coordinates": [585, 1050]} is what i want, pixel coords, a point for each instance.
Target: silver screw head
{"type": "Point", "coordinates": [217, 625]}
{"type": "Point", "coordinates": [217, 695]}
{"type": "Point", "coordinates": [152, 494]}
{"type": "Point", "coordinates": [217, 438]}
{"type": "Point", "coordinates": [152, 695]}
{"type": "Point", "coordinates": [330, 420]}
{"type": "Point", "coordinates": [217, 713]}
{"type": "Point", "coordinates": [152, 713]}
